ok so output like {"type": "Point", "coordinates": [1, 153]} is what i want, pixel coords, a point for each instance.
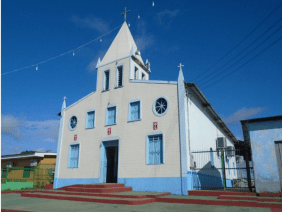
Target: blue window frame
{"type": "Point", "coordinates": [155, 149]}
{"type": "Point", "coordinates": [111, 116]}
{"type": "Point", "coordinates": [134, 111]}
{"type": "Point", "coordinates": [90, 119]}
{"type": "Point", "coordinates": [73, 156]}
{"type": "Point", "coordinates": [106, 83]}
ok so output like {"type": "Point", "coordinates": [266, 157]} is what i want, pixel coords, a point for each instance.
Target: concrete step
{"type": "Point", "coordinates": [199, 200]}
{"type": "Point", "coordinates": [100, 185]}
{"type": "Point", "coordinates": [111, 200]}
{"type": "Point", "coordinates": [131, 194]}
{"type": "Point", "coordinates": [258, 199]}
{"type": "Point", "coordinates": [100, 190]}
{"type": "Point", "coordinates": [218, 193]}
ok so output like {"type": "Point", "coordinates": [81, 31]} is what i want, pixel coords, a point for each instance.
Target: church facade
{"type": "Point", "coordinates": [133, 130]}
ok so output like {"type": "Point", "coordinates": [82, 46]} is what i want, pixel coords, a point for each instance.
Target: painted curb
{"type": "Point", "coordinates": [248, 198]}
{"type": "Point", "coordinates": [81, 199]}
{"type": "Point", "coordinates": [106, 195]}
{"type": "Point", "coordinates": [265, 194]}
{"type": "Point", "coordinates": [218, 202]}
{"type": "Point", "coordinates": [100, 190]}
{"type": "Point", "coordinates": [11, 210]}
{"type": "Point", "coordinates": [218, 193]}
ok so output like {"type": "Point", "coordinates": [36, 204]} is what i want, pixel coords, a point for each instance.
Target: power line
{"type": "Point", "coordinates": [70, 51]}
{"type": "Point", "coordinates": [243, 56]}
{"type": "Point", "coordinates": [244, 63]}
{"type": "Point", "coordinates": [36, 64]}
{"type": "Point", "coordinates": [243, 49]}
{"type": "Point", "coordinates": [239, 42]}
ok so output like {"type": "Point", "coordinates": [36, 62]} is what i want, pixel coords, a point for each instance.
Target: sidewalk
{"type": "Point", "coordinates": [16, 202]}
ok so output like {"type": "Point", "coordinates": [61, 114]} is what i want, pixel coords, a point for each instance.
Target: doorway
{"type": "Point", "coordinates": [278, 150]}
{"type": "Point", "coordinates": [109, 162]}
{"type": "Point", "coordinates": [112, 162]}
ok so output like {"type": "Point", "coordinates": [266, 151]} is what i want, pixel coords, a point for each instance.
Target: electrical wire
{"type": "Point", "coordinates": [243, 49]}
{"type": "Point", "coordinates": [36, 64]}
{"type": "Point", "coordinates": [239, 42]}
{"type": "Point", "coordinates": [70, 51]}
{"type": "Point", "coordinates": [243, 56]}
{"type": "Point", "coordinates": [244, 63]}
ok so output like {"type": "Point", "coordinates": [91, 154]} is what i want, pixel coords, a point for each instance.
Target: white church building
{"type": "Point", "coordinates": [136, 131]}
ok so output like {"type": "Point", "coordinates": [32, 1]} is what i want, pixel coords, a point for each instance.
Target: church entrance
{"type": "Point", "coordinates": [112, 162]}
{"type": "Point", "coordinates": [109, 162]}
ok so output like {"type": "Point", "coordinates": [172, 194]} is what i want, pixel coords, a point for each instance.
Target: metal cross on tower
{"type": "Point", "coordinates": [125, 14]}
{"type": "Point", "coordinates": [180, 66]}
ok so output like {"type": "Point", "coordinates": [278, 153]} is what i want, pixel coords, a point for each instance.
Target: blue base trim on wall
{"type": "Point", "coordinates": [61, 182]}
{"type": "Point", "coordinates": [154, 184]}
{"type": "Point", "coordinates": [198, 180]}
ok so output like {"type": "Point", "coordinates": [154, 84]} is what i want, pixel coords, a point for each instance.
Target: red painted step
{"type": "Point", "coordinates": [265, 194]}
{"type": "Point", "coordinates": [100, 190]}
{"type": "Point", "coordinates": [104, 195]}
{"type": "Point", "coordinates": [84, 199]}
{"type": "Point", "coordinates": [232, 197]}
{"type": "Point", "coordinates": [221, 202]}
{"type": "Point", "coordinates": [98, 186]}
{"type": "Point", "coordinates": [218, 193]}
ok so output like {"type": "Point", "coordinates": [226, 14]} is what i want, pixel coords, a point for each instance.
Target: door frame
{"type": "Point", "coordinates": [107, 142]}
{"type": "Point", "coordinates": [278, 160]}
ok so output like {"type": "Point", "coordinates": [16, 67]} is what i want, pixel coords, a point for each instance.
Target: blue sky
{"type": "Point", "coordinates": [194, 33]}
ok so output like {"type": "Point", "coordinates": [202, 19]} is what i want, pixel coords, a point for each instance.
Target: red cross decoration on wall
{"type": "Point", "coordinates": [109, 131]}
{"type": "Point", "coordinates": [155, 125]}
{"type": "Point", "coordinates": [75, 137]}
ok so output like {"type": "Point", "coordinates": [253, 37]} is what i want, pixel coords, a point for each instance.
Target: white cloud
{"type": "Point", "coordinates": [91, 22]}
{"type": "Point", "coordinates": [10, 125]}
{"type": "Point", "coordinates": [41, 149]}
{"type": "Point", "coordinates": [14, 150]}
{"type": "Point", "coordinates": [48, 129]}
{"type": "Point", "coordinates": [18, 127]}
{"type": "Point", "coordinates": [143, 39]}
{"type": "Point", "coordinates": [165, 17]}
{"type": "Point", "coordinates": [243, 113]}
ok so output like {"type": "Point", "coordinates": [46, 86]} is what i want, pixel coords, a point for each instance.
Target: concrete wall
{"type": "Point", "coordinates": [262, 137]}
{"type": "Point", "coordinates": [203, 133]}
{"type": "Point", "coordinates": [132, 147]}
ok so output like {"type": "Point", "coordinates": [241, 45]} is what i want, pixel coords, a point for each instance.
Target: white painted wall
{"type": "Point", "coordinates": [132, 151]}
{"type": "Point", "coordinates": [203, 132]}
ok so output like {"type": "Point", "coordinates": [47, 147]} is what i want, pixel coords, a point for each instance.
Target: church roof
{"type": "Point", "coordinates": [121, 46]}
{"type": "Point", "coordinates": [209, 108]}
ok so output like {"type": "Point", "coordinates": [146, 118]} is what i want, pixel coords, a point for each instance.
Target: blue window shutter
{"type": "Point", "coordinates": [111, 115]}
{"type": "Point", "coordinates": [151, 150]}
{"type": "Point", "coordinates": [161, 151]}
{"type": "Point", "coordinates": [155, 149]}
{"type": "Point", "coordinates": [74, 155]}
{"type": "Point", "coordinates": [158, 149]}
{"type": "Point", "coordinates": [90, 119]}
{"type": "Point", "coordinates": [134, 111]}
